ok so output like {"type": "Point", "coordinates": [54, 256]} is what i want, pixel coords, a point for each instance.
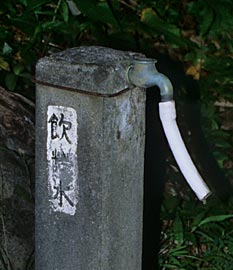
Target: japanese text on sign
{"type": "Point", "coordinates": [62, 158]}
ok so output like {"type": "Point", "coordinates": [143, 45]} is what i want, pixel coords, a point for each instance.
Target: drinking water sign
{"type": "Point", "coordinates": [62, 159]}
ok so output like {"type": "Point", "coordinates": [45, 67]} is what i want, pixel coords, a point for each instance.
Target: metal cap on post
{"type": "Point", "coordinates": [90, 135]}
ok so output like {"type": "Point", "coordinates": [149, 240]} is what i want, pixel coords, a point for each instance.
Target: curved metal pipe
{"type": "Point", "coordinates": [143, 73]}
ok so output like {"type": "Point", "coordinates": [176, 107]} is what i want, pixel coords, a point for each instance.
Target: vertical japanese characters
{"type": "Point", "coordinates": [62, 159]}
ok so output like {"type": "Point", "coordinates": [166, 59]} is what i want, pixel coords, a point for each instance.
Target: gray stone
{"type": "Point", "coordinates": [85, 68]}
{"type": "Point", "coordinates": [16, 181]}
{"type": "Point", "coordinates": [105, 233]}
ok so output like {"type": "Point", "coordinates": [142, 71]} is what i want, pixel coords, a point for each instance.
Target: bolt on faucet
{"type": "Point", "coordinates": [143, 73]}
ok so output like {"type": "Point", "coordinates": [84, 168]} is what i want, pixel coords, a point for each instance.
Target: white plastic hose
{"type": "Point", "coordinates": [167, 114]}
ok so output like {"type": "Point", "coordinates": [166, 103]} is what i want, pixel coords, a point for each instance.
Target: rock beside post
{"type": "Point", "coordinates": [16, 181]}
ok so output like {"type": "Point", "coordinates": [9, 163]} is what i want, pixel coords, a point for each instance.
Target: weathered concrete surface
{"type": "Point", "coordinates": [16, 181]}
{"type": "Point", "coordinates": [87, 69]}
{"type": "Point", "coordinates": [105, 233]}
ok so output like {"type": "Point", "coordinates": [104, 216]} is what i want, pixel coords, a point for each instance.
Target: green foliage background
{"type": "Point", "coordinates": [197, 33]}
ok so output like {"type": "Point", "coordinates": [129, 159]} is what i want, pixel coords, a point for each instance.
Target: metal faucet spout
{"type": "Point", "coordinates": [143, 73]}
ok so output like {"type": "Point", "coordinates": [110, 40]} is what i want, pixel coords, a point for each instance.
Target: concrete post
{"type": "Point", "coordinates": [89, 162]}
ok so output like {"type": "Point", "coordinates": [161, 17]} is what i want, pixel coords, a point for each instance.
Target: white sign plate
{"type": "Point", "coordinates": [62, 159]}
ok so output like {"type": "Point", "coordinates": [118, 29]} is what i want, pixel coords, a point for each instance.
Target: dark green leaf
{"type": "Point", "coordinates": [64, 11]}
{"type": "Point", "coordinates": [99, 12]}
{"type": "Point", "coordinates": [24, 2]}
{"type": "Point", "coordinates": [6, 48]}
{"type": "Point", "coordinates": [215, 219]}
{"type": "Point", "coordinates": [10, 81]}
{"type": "Point", "coordinates": [156, 26]}
{"type": "Point", "coordinates": [178, 230]}
{"type": "Point", "coordinates": [49, 26]}
{"type": "Point", "coordinates": [18, 69]}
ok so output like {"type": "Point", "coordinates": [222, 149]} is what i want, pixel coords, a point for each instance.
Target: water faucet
{"type": "Point", "coordinates": [143, 73]}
